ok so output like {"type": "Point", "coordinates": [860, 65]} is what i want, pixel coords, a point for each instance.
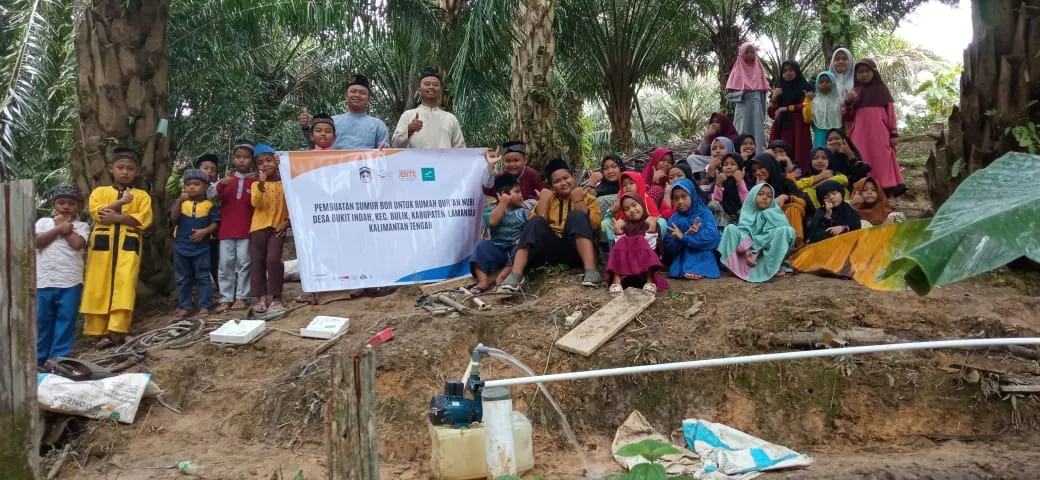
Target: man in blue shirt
{"type": "Point", "coordinates": [356, 129]}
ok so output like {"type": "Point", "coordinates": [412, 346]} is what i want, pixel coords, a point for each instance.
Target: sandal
{"type": "Point", "coordinates": [181, 313]}
{"type": "Point", "coordinates": [203, 314]}
{"type": "Point", "coordinates": [260, 307]}
{"type": "Point", "coordinates": [476, 290]}
{"type": "Point", "coordinates": [276, 305]}
{"type": "Point", "coordinates": [692, 276]}
{"type": "Point", "coordinates": [616, 290]}
{"type": "Point", "coordinates": [223, 307]}
{"type": "Point", "coordinates": [650, 288]}
{"type": "Point", "coordinates": [239, 305]}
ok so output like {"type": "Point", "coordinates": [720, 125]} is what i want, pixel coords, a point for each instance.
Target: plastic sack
{"type": "Point", "coordinates": [114, 398]}
{"type": "Point", "coordinates": [292, 270]}
{"type": "Point", "coordinates": [730, 453]}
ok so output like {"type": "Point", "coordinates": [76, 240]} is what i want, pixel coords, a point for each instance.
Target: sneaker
{"type": "Point", "coordinates": [592, 278]}
{"type": "Point", "coordinates": [511, 284]}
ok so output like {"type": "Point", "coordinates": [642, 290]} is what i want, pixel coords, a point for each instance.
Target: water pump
{"type": "Point", "coordinates": [453, 407]}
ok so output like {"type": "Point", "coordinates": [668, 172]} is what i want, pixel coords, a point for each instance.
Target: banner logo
{"type": "Point", "coordinates": [428, 175]}
{"type": "Point", "coordinates": [366, 174]}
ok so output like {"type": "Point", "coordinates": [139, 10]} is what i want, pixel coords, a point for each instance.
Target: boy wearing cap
{"type": "Point", "coordinates": [60, 241]}
{"type": "Point", "coordinates": [196, 218]}
{"type": "Point", "coordinates": [207, 163]}
{"type": "Point", "coordinates": [323, 132]}
{"type": "Point", "coordinates": [559, 230]}
{"type": "Point", "coordinates": [514, 163]}
{"type": "Point", "coordinates": [121, 213]}
{"type": "Point", "coordinates": [428, 126]}
{"type": "Point", "coordinates": [236, 211]}
{"type": "Point", "coordinates": [357, 130]}
{"type": "Point", "coordinates": [506, 219]}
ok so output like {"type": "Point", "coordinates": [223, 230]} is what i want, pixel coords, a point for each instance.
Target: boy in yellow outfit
{"type": "Point", "coordinates": [120, 213]}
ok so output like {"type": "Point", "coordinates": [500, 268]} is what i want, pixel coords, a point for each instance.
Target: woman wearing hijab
{"type": "Point", "coordinates": [822, 110]}
{"type": "Point", "coordinates": [691, 237]}
{"type": "Point", "coordinates": [841, 67]}
{"type": "Point", "coordinates": [631, 182]}
{"type": "Point", "coordinates": [847, 154]}
{"type": "Point", "coordinates": [786, 195]}
{"type": "Point", "coordinates": [719, 125]}
{"type": "Point", "coordinates": [871, 205]}
{"type": "Point", "coordinates": [871, 109]}
{"type": "Point", "coordinates": [785, 108]}
{"type": "Point", "coordinates": [835, 216]}
{"type": "Point", "coordinates": [755, 249]}
{"type": "Point", "coordinates": [655, 174]}
{"type": "Point", "coordinates": [824, 167]}
{"type": "Point", "coordinates": [729, 191]}
{"type": "Point", "coordinates": [607, 181]}
{"type": "Point", "coordinates": [746, 88]}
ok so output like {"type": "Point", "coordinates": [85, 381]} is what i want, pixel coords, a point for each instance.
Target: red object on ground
{"type": "Point", "coordinates": [381, 337]}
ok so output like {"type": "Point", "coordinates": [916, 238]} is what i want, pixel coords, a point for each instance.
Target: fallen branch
{"type": "Point", "coordinates": [827, 337]}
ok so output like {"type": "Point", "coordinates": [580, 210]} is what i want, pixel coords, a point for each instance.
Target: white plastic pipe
{"type": "Point", "coordinates": [767, 357]}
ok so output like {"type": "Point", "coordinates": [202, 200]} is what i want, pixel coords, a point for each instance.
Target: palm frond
{"type": "Point", "coordinates": [33, 26]}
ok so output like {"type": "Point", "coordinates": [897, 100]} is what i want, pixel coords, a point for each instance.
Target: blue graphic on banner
{"type": "Point", "coordinates": [443, 272]}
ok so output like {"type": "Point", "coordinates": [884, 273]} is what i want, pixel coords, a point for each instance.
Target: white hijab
{"type": "Point", "coordinates": [843, 82]}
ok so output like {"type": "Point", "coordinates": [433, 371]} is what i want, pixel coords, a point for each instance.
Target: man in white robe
{"type": "Point", "coordinates": [428, 126]}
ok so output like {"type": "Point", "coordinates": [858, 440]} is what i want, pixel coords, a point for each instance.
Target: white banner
{"type": "Point", "coordinates": [373, 218]}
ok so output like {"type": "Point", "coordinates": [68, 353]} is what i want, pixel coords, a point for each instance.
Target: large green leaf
{"type": "Point", "coordinates": [990, 220]}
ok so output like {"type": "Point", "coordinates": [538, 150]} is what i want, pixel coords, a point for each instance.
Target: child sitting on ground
{"type": "Point", "coordinates": [323, 132]}
{"type": "Point", "coordinates": [730, 191]}
{"type": "Point", "coordinates": [121, 213]}
{"type": "Point", "coordinates": [196, 218]}
{"type": "Point", "coordinates": [60, 241]}
{"type": "Point", "coordinates": [835, 217]}
{"type": "Point", "coordinates": [782, 153]}
{"type": "Point", "coordinates": [235, 193]}
{"type": "Point", "coordinates": [824, 167]}
{"type": "Point", "coordinates": [680, 171]}
{"type": "Point", "coordinates": [506, 220]}
{"type": "Point", "coordinates": [692, 235]}
{"type": "Point", "coordinates": [267, 232]}
{"type": "Point", "coordinates": [754, 249]}
{"type": "Point", "coordinates": [871, 206]}
{"type": "Point", "coordinates": [632, 255]}
{"type": "Point", "coordinates": [631, 182]}
{"type": "Point", "coordinates": [655, 173]}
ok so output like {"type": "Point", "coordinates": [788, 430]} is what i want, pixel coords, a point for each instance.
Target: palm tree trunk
{"type": "Point", "coordinates": [619, 112]}
{"type": "Point", "coordinates": [121, 48]}
{"type": "Point", "coordinates": [531, 108]}
{"type": "Point", "coordinates": [1001, 68]}
{"type": "Point", "coordinates": [727, 46]}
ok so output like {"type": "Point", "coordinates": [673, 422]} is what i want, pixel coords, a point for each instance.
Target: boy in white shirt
{"type": "Point", "coordinates": [60, 241]}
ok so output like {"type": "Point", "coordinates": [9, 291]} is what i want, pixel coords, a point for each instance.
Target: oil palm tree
{"type": "Point", "coordinates": [617, 45]}
{"type": "Point", "coordinates": [793, 34]}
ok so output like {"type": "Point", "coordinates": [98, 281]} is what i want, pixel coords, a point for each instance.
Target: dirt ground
{"type": "Point", "coordinates": [254, 410]}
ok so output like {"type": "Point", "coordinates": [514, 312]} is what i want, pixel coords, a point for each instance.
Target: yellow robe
{"type": "Point", "coordinates": [113, 262]}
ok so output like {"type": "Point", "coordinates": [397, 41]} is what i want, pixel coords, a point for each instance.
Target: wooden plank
{"type": "Point", "coordinates": [601, 326]}
{"type": "Point", "coordinates": [450, 284]}
{"type": "Point", "coordinates": [343, 443]}
{"type": "Point", "coordinates": [369, 426]}
{"type": "Point", "coordinates": [19, 413]}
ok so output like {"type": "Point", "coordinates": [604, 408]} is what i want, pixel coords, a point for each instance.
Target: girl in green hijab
{"type": "Point", "coordinates": [755, 248]}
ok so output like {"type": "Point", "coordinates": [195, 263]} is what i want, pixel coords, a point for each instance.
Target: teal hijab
{"type": "Point", "coordinates": [771, 235]}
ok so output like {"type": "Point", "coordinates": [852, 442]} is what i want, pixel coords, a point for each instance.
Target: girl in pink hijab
{"type": "Point", "coordinates": [746, 89]}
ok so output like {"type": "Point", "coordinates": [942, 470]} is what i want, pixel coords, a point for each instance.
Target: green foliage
{"type": "Point", "coordinates": [940, 94]}
{"type": "Point", "coordinates": [651, 450]}
{"type": "Point", "coordinates": [997, 208]}
{"type": "Point", "coordinates": [793, 34]}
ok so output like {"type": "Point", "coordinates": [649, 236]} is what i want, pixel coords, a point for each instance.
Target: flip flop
{"type": "Point", "coordinates": [223, 307]}
{"type": "Point", "coordinates": [260, 307]}
{"type": "Point", "coordinates": [239, 305]}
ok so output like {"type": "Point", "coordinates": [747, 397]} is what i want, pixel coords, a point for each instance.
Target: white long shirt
{"type": "Point", "coordinates": [440, 130]}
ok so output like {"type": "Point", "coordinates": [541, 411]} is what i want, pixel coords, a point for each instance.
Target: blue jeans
{"type": "Point", "coordinates": [193, 272]}
{"type": "Point", "coordinates": [56, 312]}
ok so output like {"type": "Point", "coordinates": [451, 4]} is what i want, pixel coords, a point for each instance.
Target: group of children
{"type": "Point", "coordinates": [850, 96]}
{"type": "Point", "coordinates": [227, 230]}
